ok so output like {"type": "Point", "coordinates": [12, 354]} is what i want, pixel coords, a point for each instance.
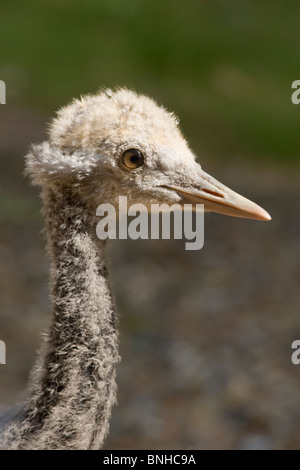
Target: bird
{"type": "Point", "coordinates": [115, 142]}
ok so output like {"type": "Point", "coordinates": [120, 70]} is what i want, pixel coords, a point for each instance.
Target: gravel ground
{"type": "Point", "coordinates": [205, 336]}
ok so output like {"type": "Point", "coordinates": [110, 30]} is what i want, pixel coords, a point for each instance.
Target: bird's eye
{"type": "Point", "coordinates": [132, 159]}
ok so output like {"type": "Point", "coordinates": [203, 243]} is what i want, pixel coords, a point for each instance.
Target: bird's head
{"type": "Point", "coordinates": [120, 143]}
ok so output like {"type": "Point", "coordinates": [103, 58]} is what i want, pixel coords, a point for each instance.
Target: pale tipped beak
{"type": "Point", "coordinates": [216, 197]}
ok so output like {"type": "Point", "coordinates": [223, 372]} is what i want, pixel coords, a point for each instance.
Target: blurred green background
{"type": "Point", "coordinates": [205, 337]}
{"type": "Point", "coordinates": [225, 67]}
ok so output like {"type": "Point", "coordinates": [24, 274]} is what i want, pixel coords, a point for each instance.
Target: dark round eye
{"type": "Point", "coordinates": [132, 159]}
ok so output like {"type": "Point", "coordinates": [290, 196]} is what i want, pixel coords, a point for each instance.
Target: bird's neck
{"type": "Point", "coordinates": [74, 381]}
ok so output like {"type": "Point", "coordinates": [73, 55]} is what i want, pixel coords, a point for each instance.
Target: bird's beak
{"type": "Point", "coordinates": [216, 197]}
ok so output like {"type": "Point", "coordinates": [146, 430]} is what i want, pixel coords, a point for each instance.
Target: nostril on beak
{"type": "Point", "coordinates": [212, 193]}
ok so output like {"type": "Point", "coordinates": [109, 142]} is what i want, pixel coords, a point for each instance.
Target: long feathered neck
{"type": "Point", "coordinates": [74, 381]}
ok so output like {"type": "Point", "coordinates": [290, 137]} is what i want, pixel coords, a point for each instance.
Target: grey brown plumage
{"type": "Point", "coordinates": [72, 387]}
